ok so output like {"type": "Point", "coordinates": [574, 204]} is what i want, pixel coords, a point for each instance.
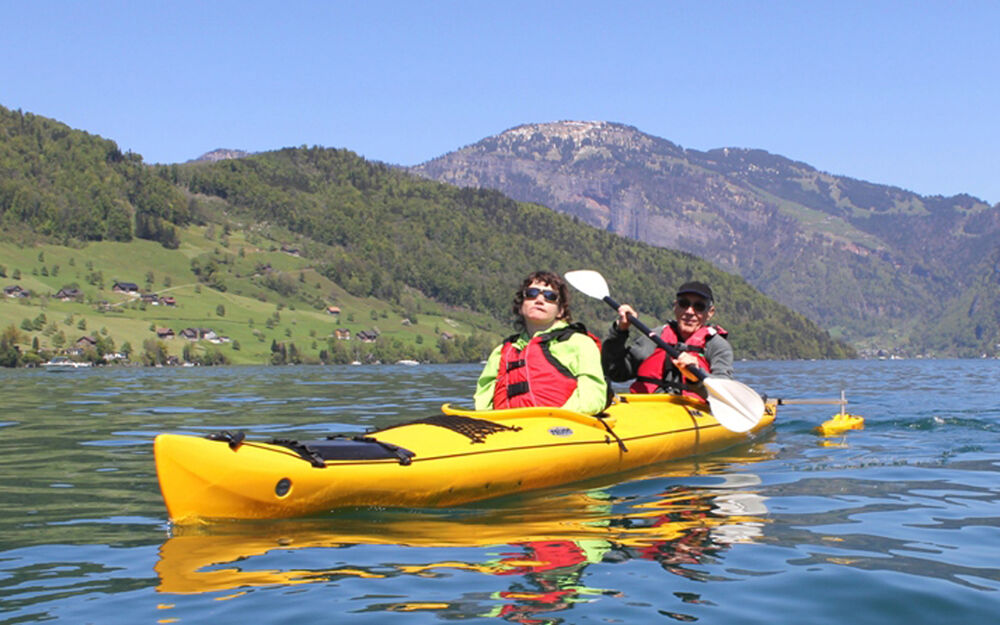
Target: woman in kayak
{"type": "Point", "coordinates": [702, 345]}
{"type": "Point", "coordinates": [550, 361]}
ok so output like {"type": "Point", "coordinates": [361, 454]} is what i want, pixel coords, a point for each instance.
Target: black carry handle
{"type": "Point", "coordinates": [696, 371]}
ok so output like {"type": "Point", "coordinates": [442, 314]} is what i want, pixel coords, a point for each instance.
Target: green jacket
{"type": "Point", "coordinates": [578, 353]}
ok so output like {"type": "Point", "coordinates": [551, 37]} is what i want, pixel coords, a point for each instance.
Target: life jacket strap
{"type": "Point", "coordinates": [519, 388]}
{"type": "Point", "coordinates": [660, 382]}
{"type": "Point", "coordinates": [516, 364]}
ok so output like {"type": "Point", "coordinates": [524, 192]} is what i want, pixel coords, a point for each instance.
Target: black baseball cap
{"type": "Point", "coordinates": [698, 288]}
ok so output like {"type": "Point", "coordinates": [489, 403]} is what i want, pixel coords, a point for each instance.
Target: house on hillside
{"type": "Point", "coordinates": [333, 310]}
{"type": "Point", "coordinates": [342, 334]}
{"type": "Point", "coordinates": [150, 298]}
{"type": "Point", "coordinates": [85, 342]}
{"type": "Point", "coordinates": [447, 336]}
{"type": "Point", "coordinates": [165, 333]}
{"type": "Point", "coordinates": [15, 290]}
{"type": "Point", "coordinates": [366, 336]}
{"type": "Point", "coordinates": [68, 294]}
{"type": "Point", "coordinates": [294, 251]}
{"type": "Point", "coordinates": [168, 300]}
{"type": "Point", "coordinates": [125, 287]}
{"type": "Point", "coordinates": [194, 334]}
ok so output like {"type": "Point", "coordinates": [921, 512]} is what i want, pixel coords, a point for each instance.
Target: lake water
{"type": "Point", "coordinates": [897, 523]}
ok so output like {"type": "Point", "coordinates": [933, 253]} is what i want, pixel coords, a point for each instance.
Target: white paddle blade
{"type": "Point", "coordinates": [736, 406]}
{"type": "Point", "coordinates": [588, 282]}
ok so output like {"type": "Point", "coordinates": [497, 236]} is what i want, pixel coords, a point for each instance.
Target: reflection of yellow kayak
{"type": "Point", "coordinates": [230, 556]}
{"type": "Point", "coordinates": [449, 459]}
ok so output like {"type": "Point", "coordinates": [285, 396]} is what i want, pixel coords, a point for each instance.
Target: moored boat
{"type": "Point", "coordinates": [62, 363]}
{"type": "Point", "coordinates": [456, 457]}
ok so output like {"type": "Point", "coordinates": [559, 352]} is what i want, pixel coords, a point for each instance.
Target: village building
{"type": "Point", "coordinates": [194, 334]}
{"type": "Point", "coordinates": [15, 290]}
{"type": "Point", "coordinates": [125, 287]}
{"type": "Point", "coordinates": [67, 294]}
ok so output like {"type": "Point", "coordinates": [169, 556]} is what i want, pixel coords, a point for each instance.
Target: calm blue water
{"type": "Point", "coordinates": [898, 523]}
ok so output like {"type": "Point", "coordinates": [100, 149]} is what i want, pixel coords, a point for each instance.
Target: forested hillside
{"type": "Point", "coordinates": [367, 227]}
{"type": "Point", "coordinates": [71, 185]}
{"type": "Point", "coordinates": [467, 247]}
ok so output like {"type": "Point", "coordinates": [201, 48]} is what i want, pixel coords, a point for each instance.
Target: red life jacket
{"type": "Point", "coordinates": [654, 368]}
{"type": "Point", "coordinates": [533, 376]}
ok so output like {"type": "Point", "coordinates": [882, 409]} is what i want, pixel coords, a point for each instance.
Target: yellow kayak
{"type": "Point", "coordinates": [457, 457]}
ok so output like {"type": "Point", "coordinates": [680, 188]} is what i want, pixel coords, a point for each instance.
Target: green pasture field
{"type": "Point", "coordinates": [248, 312]}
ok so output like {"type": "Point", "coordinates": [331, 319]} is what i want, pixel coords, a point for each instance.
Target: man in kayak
{"type": "Point", "coordinates": [701, 344]}
{"type": "Point", "coordinates": [550, 361]}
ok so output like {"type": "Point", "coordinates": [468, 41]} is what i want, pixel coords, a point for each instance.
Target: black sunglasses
{"type": "Point", "coordinates": [699, 306]}
{"type": "Point", "coordinates": [549, 295]}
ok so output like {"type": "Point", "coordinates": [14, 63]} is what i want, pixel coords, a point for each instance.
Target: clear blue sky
{"type": "Point", "coordinates": [901, 93]}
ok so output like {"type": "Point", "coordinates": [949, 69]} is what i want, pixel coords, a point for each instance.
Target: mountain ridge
{"type": "Point", "coordinates": [880, 252]}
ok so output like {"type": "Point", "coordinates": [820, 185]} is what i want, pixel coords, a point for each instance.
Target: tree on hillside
{"type": "Point", "coordinates": [10, 354]}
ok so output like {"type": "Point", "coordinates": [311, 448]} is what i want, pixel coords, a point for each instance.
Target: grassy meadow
{"type": "Point", "coordinates": [259, 296]}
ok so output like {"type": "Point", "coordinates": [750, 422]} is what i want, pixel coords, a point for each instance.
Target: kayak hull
{"type": "Point", "coordinates": [519, 450]}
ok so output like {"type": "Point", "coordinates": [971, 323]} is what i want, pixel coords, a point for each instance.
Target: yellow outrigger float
{"type": "Point", "coordinates": [457, 457]}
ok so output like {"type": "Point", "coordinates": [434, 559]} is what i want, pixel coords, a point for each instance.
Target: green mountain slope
{"type": "Point", "coordinates": [69, 184]}
{"type": "Point", "coordinates": [362, 230]}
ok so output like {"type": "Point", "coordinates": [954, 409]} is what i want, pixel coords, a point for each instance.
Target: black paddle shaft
{"type": "Point", "coordinates": [697, 372]}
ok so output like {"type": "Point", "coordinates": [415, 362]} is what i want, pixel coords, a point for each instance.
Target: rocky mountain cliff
{"type": "Point", "coordinates": [220, 154]}
{"type": "Point", "coordinates": [874, 264]}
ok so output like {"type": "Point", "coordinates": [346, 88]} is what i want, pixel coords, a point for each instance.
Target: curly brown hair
{"type": "Point", "coordinates": [547, 278]}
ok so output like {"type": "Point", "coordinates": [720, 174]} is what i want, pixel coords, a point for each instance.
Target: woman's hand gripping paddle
{"type": "Point", "coordinates": [734, 405]}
